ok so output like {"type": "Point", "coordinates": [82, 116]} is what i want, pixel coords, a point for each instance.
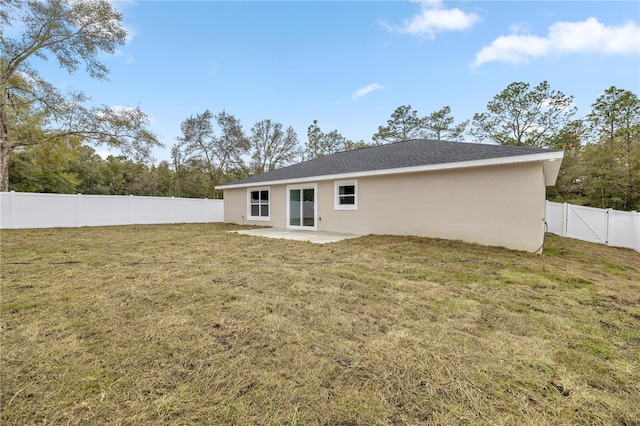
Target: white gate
{"type": "Point", "coordinates": [587, 223]}
{"type": "Point", "coordinates": [604, 226]}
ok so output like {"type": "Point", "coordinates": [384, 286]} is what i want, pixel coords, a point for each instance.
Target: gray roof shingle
{"type": "Point", "coordinates": [411, 153]}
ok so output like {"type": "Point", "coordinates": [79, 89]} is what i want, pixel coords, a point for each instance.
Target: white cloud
{"type": "Point", "coordinates": [387, 26]}
{"type": "Point", "coordinates": [564, 38]}
{"type": "Point", "coordinates": [434, 18]}
{"type": "Point", "coordinates": [131, 33]}
{"type": "Point", "coordinates": [514, 49]}
{"type": "Point", "coordinates": [520, 28]}
{"type": "Point", "coordinates": [366, 90]}
{"type": "Point", "coordinates": [128, 57]}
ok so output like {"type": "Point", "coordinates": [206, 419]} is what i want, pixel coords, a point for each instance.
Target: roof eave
{"type": "Point", "coordinates": [551, 168]}
{"type": "Point", "coordinates": [551, 164]}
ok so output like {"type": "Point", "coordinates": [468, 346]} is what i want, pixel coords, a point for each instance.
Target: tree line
{"type": "Point", "coordinates": [46, 135]}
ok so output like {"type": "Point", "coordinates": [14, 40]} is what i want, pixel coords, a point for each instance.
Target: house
{"type": "Point", "coordinates": [487, 194]}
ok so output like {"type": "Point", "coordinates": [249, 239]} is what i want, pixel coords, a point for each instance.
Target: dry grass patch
{"type": "Point", "coordinates": [189, 324]}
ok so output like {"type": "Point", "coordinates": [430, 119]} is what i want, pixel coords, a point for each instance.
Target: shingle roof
{"type": "Point", "coordinates": [411, 153]}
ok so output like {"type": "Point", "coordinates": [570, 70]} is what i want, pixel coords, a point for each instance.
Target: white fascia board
{"type": "Point", "coordinates": [528, 158]}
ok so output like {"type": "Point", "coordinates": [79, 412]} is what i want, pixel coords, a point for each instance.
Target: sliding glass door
{"type": "Point", "coordinates": [301, 209]}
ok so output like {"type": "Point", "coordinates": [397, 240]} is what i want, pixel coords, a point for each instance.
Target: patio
{"type": "Point", "coordinates": [316, 237]}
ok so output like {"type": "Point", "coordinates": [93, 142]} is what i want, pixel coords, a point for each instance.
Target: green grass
{"type": "Point", "coordinates": [188, 324]}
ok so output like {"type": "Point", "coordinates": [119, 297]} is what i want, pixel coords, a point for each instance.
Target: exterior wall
{"type": "Point", "coordinates": [495, 205]}
{"type": "Point", "coordinates": [500, 205]}
{"type": "Point", "coordinates": [236, 202]}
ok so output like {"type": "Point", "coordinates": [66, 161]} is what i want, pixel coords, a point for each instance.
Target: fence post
{"type": "Point", "coordinates": [635, 228]}
{"type": "Point", "coordinates": [565, 219]}
{"type": "Point", "coordinates": [131, 209]}
{"type": "Point", "coordinates": [608, 213]}
{"type": "Point", "coordinates": [78, 209]}
{"type": "Point", "coordinates": [12, 197]}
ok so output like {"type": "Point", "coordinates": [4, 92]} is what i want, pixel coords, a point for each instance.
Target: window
{"type": "Point", "coordinates": [346, 195]}
{"type": "Point", "coordinates": [258, 204]}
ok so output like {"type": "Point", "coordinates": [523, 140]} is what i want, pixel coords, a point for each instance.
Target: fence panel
{"type": "Point", "coordinates": [621, 227]}
{"type": "Point", "coordinates": [41, 210]}
{"type": "Point", "coordinates": [97, 210]}
{"type": "Point", "coordinates": [555, 218]}
{"type": "Point", "coordinates": [191, 210]}
{"type": "Point", "coordinates": [151, 210]}
{"type": "Point", "coordinates": [33, 210]}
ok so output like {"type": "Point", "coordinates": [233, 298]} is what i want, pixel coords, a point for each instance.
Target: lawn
{"type": "Point", "coordinates": [189, 324]}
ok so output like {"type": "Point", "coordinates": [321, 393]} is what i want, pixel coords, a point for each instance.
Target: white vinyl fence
{"type": "Point", "coordinates": [33, 210]}
{"type": "Point", "coordinates": [605, 226]}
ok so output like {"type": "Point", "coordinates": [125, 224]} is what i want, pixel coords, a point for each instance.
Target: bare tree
{"type": "Point", "coordinates": [214, 155]}
{"type": "Point", "coordinates": [272, 146]}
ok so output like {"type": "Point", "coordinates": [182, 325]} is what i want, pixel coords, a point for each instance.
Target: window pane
{"type": "Point", "coordinates": [347, 190]}
{"type": "Point", "coordinates": [255, 196]}
{"type": "Point", "coordinates": [264, 195]}
{"type": "Point", "coordinates": [255, 210]}
{"type": "Point", "coordinates": [264, 210]}
{"type": "Point", "coordinates": [308, 194]}
{"type": "Point", "coordinates": [347, 200]}
{"type": "Point", "coordinates": [294, 195]}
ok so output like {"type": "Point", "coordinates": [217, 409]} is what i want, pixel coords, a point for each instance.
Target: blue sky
{"type": "Point", "coordinates": [350, 64]}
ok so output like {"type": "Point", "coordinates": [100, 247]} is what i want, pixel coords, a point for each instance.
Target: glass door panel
{"type": "Point", "coordinates": [308, 207]}
{"type": "Point", "coordinates": [294, 207]}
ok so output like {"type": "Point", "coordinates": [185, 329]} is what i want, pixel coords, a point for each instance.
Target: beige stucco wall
{"type": "Point", "coordinates": [495, 205]}
{"type": "Point", "coordinates": [236, 204]}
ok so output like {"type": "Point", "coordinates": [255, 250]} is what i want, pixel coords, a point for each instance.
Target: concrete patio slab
{"type": "Point", "coordinates": [316, 237]}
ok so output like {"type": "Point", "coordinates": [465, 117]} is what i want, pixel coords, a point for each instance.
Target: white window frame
{"type": "Point", "coordinates": [268, 203]}
{"type": "Point", "coordinates": [336, 196]}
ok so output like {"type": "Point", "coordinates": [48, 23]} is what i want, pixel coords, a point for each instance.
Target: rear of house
{"type": "Point", "coordinates": [486, 194]}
